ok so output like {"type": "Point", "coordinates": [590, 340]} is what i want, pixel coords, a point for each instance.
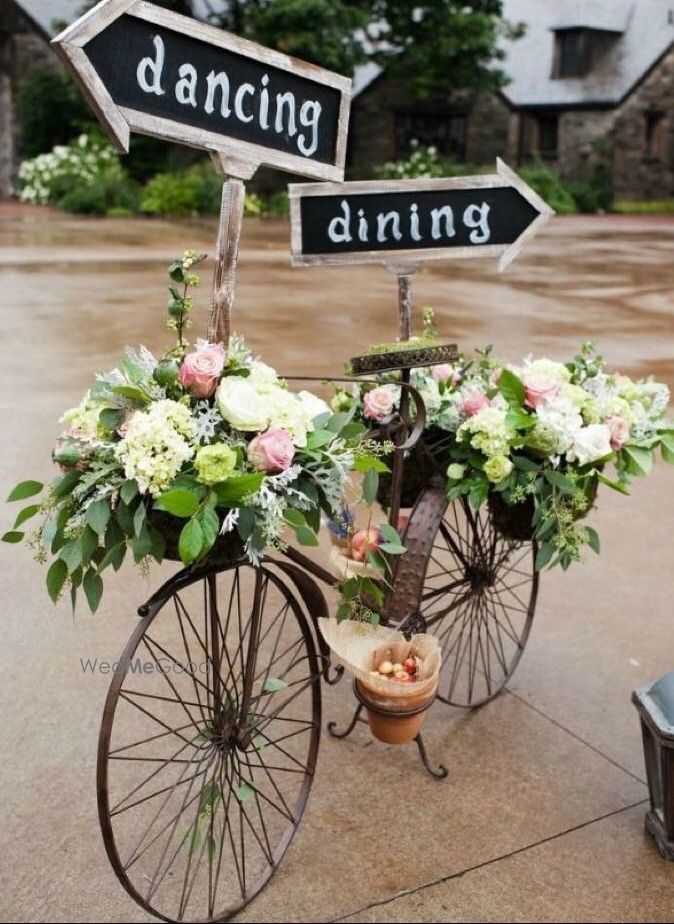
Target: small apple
{"type": "Point", "coordinates": [385, 667]}
{"type": "Point", "coordinates": [410, 666]}
{"type": "Point", "coordinates": [363, 542]}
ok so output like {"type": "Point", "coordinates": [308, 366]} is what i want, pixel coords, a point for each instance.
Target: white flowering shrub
{"type": "Point", "coordinates": [423, 163]}
{"type": "Point", "coordinates": [84, 162]}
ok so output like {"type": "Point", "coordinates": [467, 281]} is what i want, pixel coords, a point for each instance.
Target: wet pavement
{"type": "Point", "coordinates": [541, 817]}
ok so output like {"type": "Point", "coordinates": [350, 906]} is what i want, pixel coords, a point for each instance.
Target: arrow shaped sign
{"type": "Point", "coordinates": [407, 221]}
{"type": "Point", "coordinates": [148, 70]}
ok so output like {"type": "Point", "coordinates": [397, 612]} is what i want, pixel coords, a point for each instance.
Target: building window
{"type": "Point", "coordinates": [445, 131]}
{"type": "Point", "coordinates": [654, 134]}
{"type": "Point", "coordinates": [572, 53]}
{"type": "Point", "coordinates": [539, 135]}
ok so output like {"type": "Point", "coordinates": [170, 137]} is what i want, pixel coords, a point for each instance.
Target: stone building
{"type": "Point", "coordinates": [25, 30]}
{"type": "Point", "coordinates": [589, 82]}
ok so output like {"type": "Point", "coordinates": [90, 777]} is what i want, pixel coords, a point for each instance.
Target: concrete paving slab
{"type": "Point", "coordinates": [606, 871]}
{"type": "Point", "coordinates": [516, 776]}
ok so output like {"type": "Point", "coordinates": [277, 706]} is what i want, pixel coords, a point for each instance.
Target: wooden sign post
{"type": "Point", "coordinates": [401, 223]}
{"type": "Point", "coordinates": [148, 70]}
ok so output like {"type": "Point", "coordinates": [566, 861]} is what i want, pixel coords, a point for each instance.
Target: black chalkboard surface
{"type": "Point", "coordinates": [413, 220]}
{"type": "Point", "coordinates": [161, 72]}
{"type": "Point", "coordinates": [389, 221]}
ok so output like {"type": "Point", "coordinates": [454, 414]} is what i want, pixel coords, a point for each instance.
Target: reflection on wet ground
{"type": "Point", "coordinates": [86, 286]}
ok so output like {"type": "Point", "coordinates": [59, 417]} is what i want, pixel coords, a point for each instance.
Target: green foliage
{"type": "Point", "coordinates": [547, 183]}
{"type": "Point", "coordinates": [440, 45]}
{"type": "Point", "coordinates": [114, 196]}
{"type": "Point", "coordinates": [324, 32]}
{"type": "Point", "coordinates": [50, 110]}
{"type": "Point", "coordinates": [650, 207]}
{"type": "Point", "coordinates": [195, 191]}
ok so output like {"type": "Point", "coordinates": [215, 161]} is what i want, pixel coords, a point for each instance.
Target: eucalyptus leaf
{"type": "Point", "coordinates": [191, 541]}
{"type": "Point", "coordinates": [306, 536]}
{"type": "Point", "coordinates": [370, 486]}
{"type": "Point", "coordinates": [56, 577]}
{"type": "Point", "coordinates": [179, 502]}
{"type": "Point", "coordinates": [93, 588]}
{"type": "Point", "coordinates": [235, 490]}
{"type": "Point", "coordinates": [25, 489]}
{"type": "Point", "coordinates": [98, 515]}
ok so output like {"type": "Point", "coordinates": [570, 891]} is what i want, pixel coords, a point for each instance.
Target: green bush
{"type": "Point", "coordinates": [650, 207]}
{"type": "Point", "coordinates": [50, 110]}
{"type": "Point", "coordinates": [278, 205]}
{"type": "Point", "coordinates": [116, 196]}
{"type": "Point", "coordinates": [549, 187]}
{"type": "Point", "coordinates": [195, 191]}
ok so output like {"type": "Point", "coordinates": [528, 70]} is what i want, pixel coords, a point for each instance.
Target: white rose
{"type": "Point", "coordinates": [313, 405]}
{"type": "Point", "coordinates": [261, 374]}
{"type": "Point", "coordinates": [549, 368]}
{"type": "Point", "coordinates": [241, 405]}
{"type": "Point", "coordinates": [590, 444]}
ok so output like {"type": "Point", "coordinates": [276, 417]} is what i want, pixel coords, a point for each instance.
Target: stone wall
{"type": "Point", "coordinates": [636, 174]}
{"type": "Point", "coordinates": [586, 137]}
{"type": "Point", "coordinates": [22, 49]}
{"type": "Point", "coordinates": [372, 128]}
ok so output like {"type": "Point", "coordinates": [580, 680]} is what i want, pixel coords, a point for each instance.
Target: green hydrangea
{"type": "Point", "coordinates": [215, 463]}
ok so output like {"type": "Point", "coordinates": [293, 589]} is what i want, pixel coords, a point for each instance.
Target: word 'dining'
{"type": "Point", "coordinates": [394, 225]}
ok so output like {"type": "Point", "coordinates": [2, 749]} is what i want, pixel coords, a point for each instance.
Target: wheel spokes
{"type": "Point", "coordinates": [201, 824]}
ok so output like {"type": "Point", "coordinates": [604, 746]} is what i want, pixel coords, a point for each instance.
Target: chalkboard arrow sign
{"type": "Point", "coordinates": [148, 70]}
{"type": "Point", "coordinates": [399, 222]}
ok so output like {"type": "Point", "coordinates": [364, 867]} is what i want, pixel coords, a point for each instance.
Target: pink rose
{"type": "Point", "coordinates": [445, 373]}
{"type": "Point", "coordinates": [271, 451]}
{"type": "Point", "coordinates": [201, 370]}
{"type": "Point", "coordinates": [379, 403]}
{"type": "Point", "coordinates": [473, 404]}
{"type": "Point", "coordinates": [538, 388]}
{"type": "Point", "coordinates": [363, 542]}
{"type": "Point", "coordinates": [620, 432]}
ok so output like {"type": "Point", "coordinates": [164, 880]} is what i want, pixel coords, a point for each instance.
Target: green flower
{"type": "Point", "coordinates": [215, 463]}
{"type": "Point", "coordinates": [341, 402]}
{"type": "Point", "coordinates": [497, 468]}
{"type": "Point", "coordinates": [456, 471]}
{"type": "Point", "coordinates": [542, 440]}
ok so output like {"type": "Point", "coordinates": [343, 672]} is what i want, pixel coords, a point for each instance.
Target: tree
{"type": "Point", "coordinates": [441, 45]}
{"type": "Point", "coordinates": [329, 33]}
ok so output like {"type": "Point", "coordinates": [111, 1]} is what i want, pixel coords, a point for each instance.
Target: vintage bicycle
{"type": "Point", "coordinates": [206, 760]}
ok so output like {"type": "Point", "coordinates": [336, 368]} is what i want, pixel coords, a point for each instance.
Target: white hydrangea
{"type": "Point", "coordinates": [561, 415]}
{"type": "Point", "coordinates": [156, 445]}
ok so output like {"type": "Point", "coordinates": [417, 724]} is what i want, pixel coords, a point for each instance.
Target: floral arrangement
{"type": "Point", "coordinates": [200, 452]}
{"type": "Point", "coordinates": [82, 162]}
{"type": "Point", "coordinates": [534, 440]}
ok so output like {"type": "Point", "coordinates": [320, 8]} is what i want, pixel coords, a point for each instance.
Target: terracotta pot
{"type": "Point", "coordinates": [396, 719]}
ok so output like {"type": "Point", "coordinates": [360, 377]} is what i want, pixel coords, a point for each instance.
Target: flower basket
{"type": "Point", "coordinates": [227, 548]}
{"type": "Point", "coordinates": [515, 521]}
